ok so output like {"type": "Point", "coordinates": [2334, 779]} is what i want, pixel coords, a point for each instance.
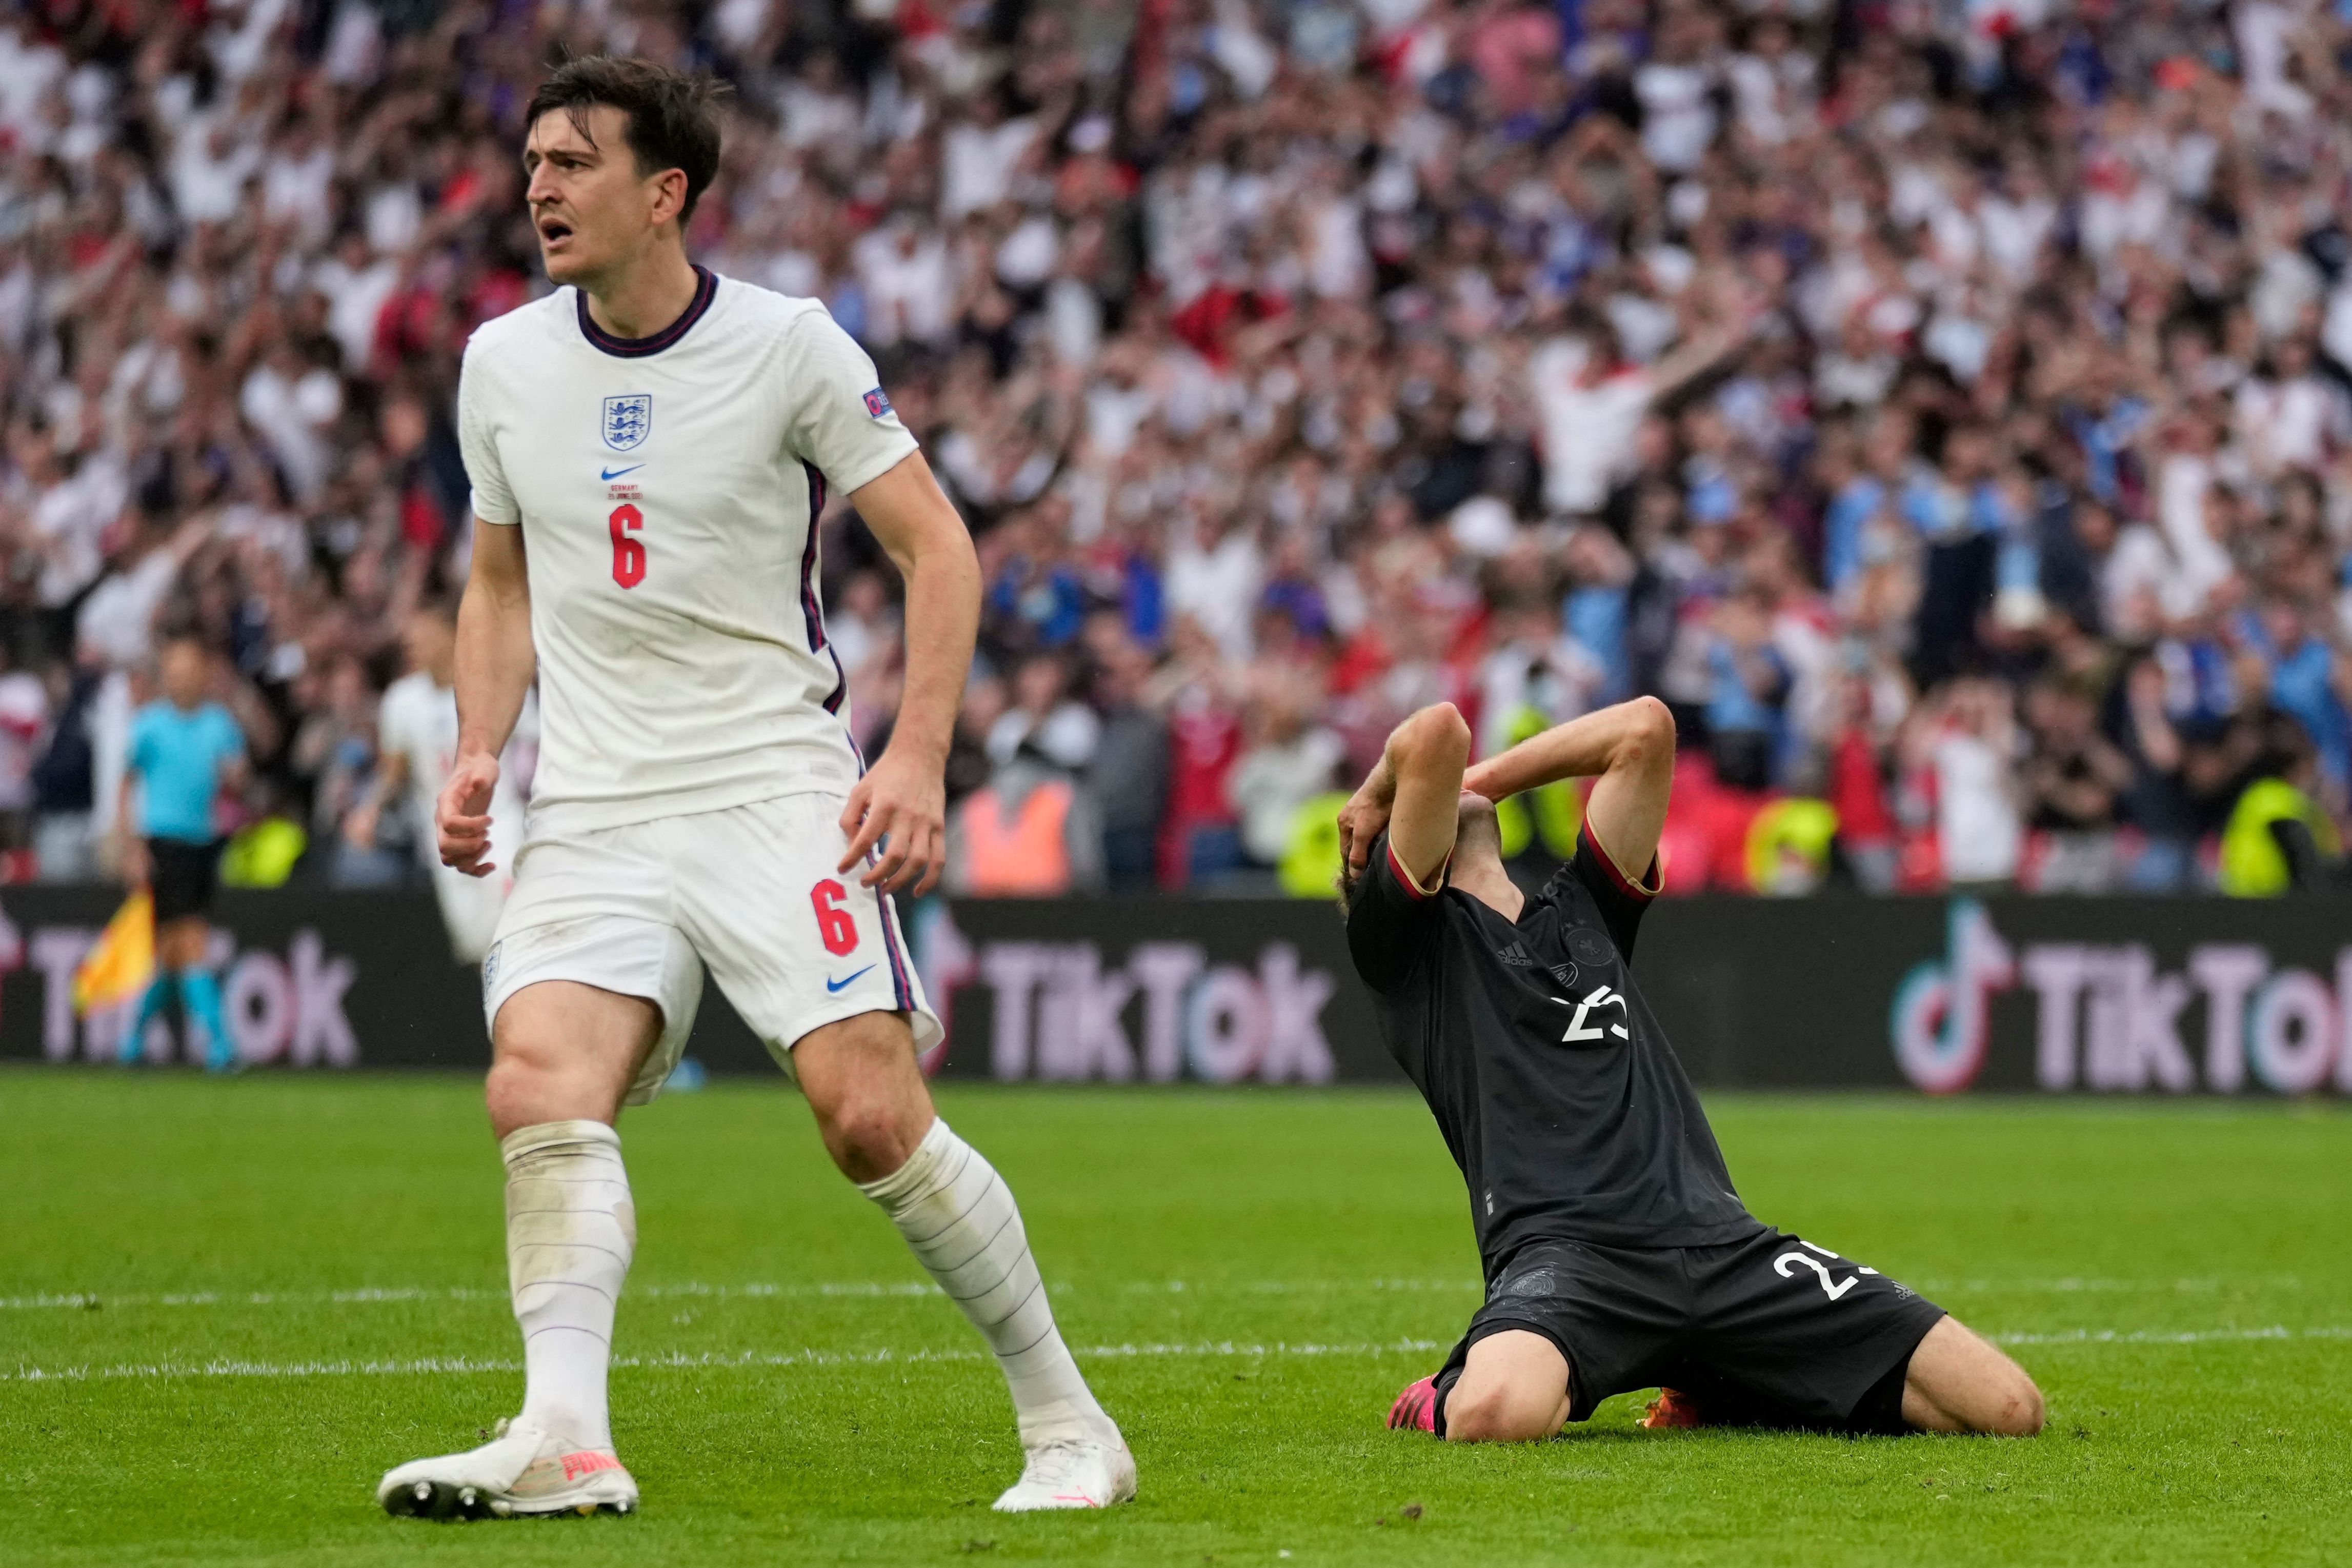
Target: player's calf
{"type": "Point", "coordinates": [1958, 1382]}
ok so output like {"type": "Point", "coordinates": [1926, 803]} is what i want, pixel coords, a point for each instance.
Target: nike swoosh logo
{"type": "Point", "coordinates": [831, 984]}
{"type": "Point", "coordinates": [616, 473]}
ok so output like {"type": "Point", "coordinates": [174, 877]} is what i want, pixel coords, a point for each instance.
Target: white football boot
{"type": "Point", "coordinates": [522, 1470]}
{"type": "Point", "coordinates": [1080, 1473]}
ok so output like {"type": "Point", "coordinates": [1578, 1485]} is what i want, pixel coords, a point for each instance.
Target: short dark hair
{"type": "Point", "coordinates": [673, 115]}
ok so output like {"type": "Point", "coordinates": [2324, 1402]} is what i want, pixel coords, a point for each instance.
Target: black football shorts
{"type": "Point", "coordinates": [183, 877]}
{"type": "Point", "coordinates": [1771, 1331]}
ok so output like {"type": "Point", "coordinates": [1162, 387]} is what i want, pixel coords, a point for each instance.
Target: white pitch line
{"type": "Point", "coordinates": [734, 1360]}
{"type": "Point", "coordinates": [872, 1288]}
{"type": "Point", "coordinates": [678, 1360]}
{"type": "Point", "coordinates": [2071, 1286]}
{"type": "Point", "coordinates": [2168, 1337]}
{"type": "Point", "coordinates": [96, 1299]}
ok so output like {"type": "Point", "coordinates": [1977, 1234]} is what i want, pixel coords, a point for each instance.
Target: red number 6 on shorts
{"type": "Point", "coordinates": [834, 924]}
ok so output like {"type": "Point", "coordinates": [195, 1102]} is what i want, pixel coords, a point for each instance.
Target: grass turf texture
{"type": "Point", "coordinates": [1273, 1264]}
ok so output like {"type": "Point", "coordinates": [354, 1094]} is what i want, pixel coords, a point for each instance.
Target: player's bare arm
{"type": "Point", "coordinates": [495, 666]}
{"type": "Point", "coordinates": [1412, 793]}
{"type": "Point", "coordinates": [1628, 751]}
{"type": "Point", "coordinates": [901, 802]}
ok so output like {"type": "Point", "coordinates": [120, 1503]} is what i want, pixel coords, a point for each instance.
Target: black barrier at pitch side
{"type": "Point", "coordinates": [1944, 994]}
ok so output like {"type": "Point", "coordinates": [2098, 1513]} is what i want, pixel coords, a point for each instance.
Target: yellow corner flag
{"type": "Point", "coordinates": [122, 961]}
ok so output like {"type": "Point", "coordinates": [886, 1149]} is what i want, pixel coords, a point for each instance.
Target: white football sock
{"type": "Point", "coordinates": [570, 1229]}
{"type": "Point", "coordinates": [959, 1216]}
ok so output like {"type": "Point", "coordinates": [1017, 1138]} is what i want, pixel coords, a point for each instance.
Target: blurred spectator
{"type": "Point", "coordinates": [1970, 746]}
{"type": "Point", "coordinates": [2074, 780]}
{"type": "Point", "coordinates": [1287, 759]}
{"type": "Point", "coordinates": [64, 778]}
{"type": "Point", "coordinates": [1747, 686]}
{"type": "Point", "coordinates": [1045, 717]}
{"type": "Point", "coordinates": [2156, 803]}
{"type": "Point", "coordinates": [24, 715]}
{"type": "Point", "coordinates": [334, 754]}
{"type": "Point", "coordinates": [1129, 776]}
{"type": "Point", "coordinates": [1030, 832]}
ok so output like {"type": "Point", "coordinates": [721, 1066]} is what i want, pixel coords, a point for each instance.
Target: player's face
{"type": "Point", "coordinates": [593, 209]}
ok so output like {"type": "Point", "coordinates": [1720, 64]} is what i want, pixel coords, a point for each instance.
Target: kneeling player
{"type": "Point", "coordinates": [1616, 1254]}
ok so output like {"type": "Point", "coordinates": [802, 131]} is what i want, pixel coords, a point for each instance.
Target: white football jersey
{"type": "Point", "coordinates": [666, 488]}
{"type": "Point", "coordinates": [417, 721]}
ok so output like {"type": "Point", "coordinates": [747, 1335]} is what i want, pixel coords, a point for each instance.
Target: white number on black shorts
{"type": "Point", "coordinates": [1787, 1263]}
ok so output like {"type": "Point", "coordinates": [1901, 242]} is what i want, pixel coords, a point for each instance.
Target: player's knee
{"type": "Point", "coordinates": [2016, 1406]}
{"type": "Point", "coordinates": [516, 1093]}
{"type": "Point", "coordinates": [868, 1135]}
{"type": "Point", "coordinates": [1496, 1413]}
{"type": "Point", "coordinates": [525, 1087]}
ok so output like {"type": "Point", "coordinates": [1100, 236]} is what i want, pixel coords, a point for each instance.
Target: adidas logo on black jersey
{"type": "Point", "coordinates": [1515, 955]}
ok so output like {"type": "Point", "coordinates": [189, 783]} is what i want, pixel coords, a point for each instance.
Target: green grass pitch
{"type": "Point", "coordinates": [227, 1307]}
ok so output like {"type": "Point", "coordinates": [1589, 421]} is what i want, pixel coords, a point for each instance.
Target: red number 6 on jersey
{"type": "Point", "coordinates": [834, 924]}
{"type": "Point", "coordinates": [628, 555]}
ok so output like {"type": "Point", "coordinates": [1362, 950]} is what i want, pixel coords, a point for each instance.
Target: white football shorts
{"type": "Point", "coordinates": [752, 891]}
{"type": "Point", "coordinates": [470, 906]}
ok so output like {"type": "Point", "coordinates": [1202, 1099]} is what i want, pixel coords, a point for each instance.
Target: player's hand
{"type": "Point", "coordinates": [461, 813]}
{"type": "Point", "coordinates": [1366, 817]}
{"type": "Point", "coordinates": [906, 804]}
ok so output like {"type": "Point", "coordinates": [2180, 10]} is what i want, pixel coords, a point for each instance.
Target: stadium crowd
{"type": "Point", "coordinates": [1942, 406]}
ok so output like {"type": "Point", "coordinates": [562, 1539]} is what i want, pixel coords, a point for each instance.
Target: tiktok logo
{"type": "Point", "coordinates": [1941, 1023]}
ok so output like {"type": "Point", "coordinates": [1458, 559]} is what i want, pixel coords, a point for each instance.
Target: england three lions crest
{"type": "Point", "coordinates": [628, 421]}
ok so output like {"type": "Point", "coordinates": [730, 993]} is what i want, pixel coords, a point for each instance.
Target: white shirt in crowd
{"type": "Point", "coordinates": [24, 713]}
{"type": "Point", "coordinates": [28, 69]}
{"type": "Point", "coordinates": [976, 163]}
{"type": "Point", "coordinates": [1977, 825]}
{"type": "Point", "coordinates": [356, 290]}
{"type": "Point", "coordinates": [1068, 735]}
{"type": "Point", "coordinates": [907, 287]}
{"type": "Point", "coordinates": [2291, 423]}
{"type": "Point", "coordinates": [665, 488]}
{"type": "Point", "coordinates": [1677, 114]}
{"type": "Point", "coordinates": [1588, 428]}
{"type": "Point", "coordinates": [70, 519]}
{"type": "Point", "coordinates": [1217, 586]}
{"type": "Point", "coordinates": [1270, 783]}
{"type": "Point", "coordinates": [115, 621]}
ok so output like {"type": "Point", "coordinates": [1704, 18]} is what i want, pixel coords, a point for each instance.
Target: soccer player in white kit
{"type": "Point", "coordinates": [416, 742]}
{"type": "Point", "coordinates": [649, 449]}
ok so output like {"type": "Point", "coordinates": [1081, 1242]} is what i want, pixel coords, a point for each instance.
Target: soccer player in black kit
{"type": "Point", "coordinates": [1616, 1254]}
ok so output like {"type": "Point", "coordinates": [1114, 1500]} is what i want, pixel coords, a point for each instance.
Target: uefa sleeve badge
{"type": "Point", "coordinates": [877, 404]}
